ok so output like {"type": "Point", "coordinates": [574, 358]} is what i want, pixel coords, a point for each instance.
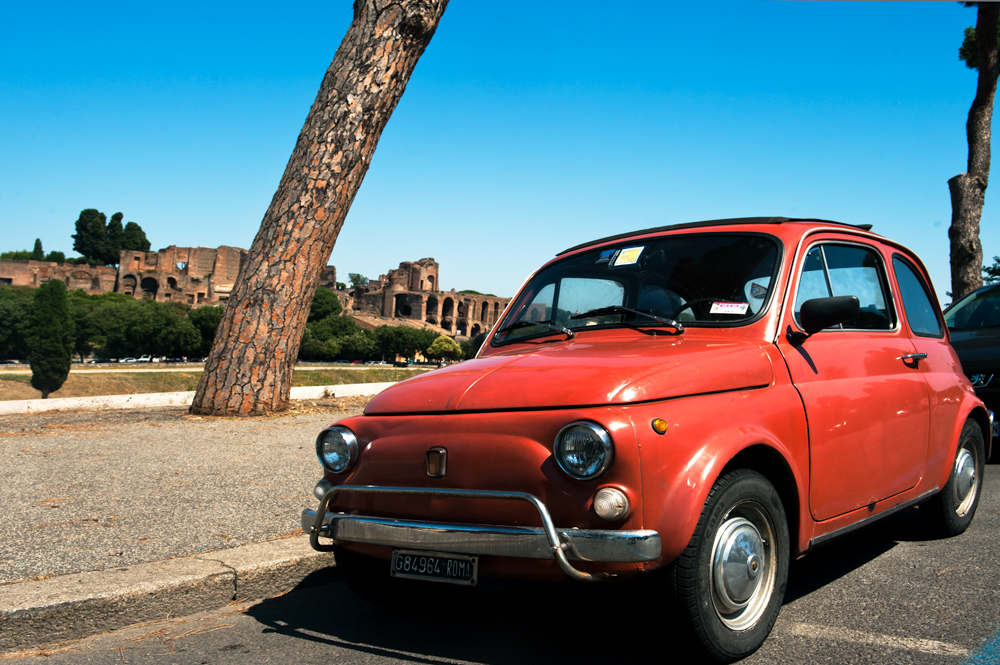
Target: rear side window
{"type": "Point", "coordinates": [920, 312]}
{"type": "Point", "coordinates": [847, 270]}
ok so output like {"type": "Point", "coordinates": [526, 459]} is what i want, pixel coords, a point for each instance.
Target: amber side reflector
{"type": "Point", "coordinates": [659, 425]}
{"type": "Point", "coordinates": [437, 462]}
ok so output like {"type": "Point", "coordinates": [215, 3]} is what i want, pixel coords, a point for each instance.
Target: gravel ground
{"type": "Point", "coordinates": [89, 490]}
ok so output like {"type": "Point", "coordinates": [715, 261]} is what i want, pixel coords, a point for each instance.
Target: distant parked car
{"type": "Point", "coordinates": [128, 360]}
{"type": "Point", "coordinates": [401, 363]}
{"type": "Point", "coordinates": [974, 324]}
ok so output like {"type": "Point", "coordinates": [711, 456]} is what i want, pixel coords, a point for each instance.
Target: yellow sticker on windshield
{"type": "Point", "coordinates": [628, 256]}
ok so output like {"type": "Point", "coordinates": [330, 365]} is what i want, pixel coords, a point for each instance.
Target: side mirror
{"type": "Point", "coordinates": [820, 313]}
{"type": "Point", "coordinates": [477, 341]}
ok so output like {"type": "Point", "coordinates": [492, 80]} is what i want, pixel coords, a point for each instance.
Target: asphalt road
{"type": "Point", "coordinates": [885, 595]}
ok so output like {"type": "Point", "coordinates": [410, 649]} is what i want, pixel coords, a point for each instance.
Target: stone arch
{"type": "Point", "coordinates": [496, 312]}
{"type": "Point", "coordinates": [129, 283]}
{"type": "Point", "coordinates": [401, 308]}
{"type": "Point", "coordinates": [432, 310]}
{"type": "Point", "coordinates": [149, 287]}
{"type": "Point", "coordinates": [476, 329]}
{"type": "Point", "coordinates": [484, 311]}
{"type": "Point", "coordinates": [172, 283]}
{"type": "Point", "coordinates": [431, 286]}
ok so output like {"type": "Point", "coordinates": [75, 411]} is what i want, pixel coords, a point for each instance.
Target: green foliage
{"type": "Point", "coordinates": [90, 239]}
{"type": "Point", "coordinates": [357, 279]}
{"type": "Point", "coordinates": [206, 320]}
{"type": "Point", "coordinates": [968, 52]}
{"type": "Point", "coordinates": [991, 274]}
{"type": "Point", "coordinates": [37, 254]}
{"type": "Point", "coordinates": [341, 286]}
{"type": "Point", "coordinates": [402, 341]}
{"type": "Point", "coordinates": [135, 238]}
{"type": "Point", "coordinates": [136, 327]}
{"type": "Point", "coordinates": [86, 334]}
{"type": "Point", "coordinates": [14, 313]}
{"type": "Point", "coordinates": [477, 293]}
{"type": "Point", "coordinates": [325, 303]}
{"type": "Point", "coordinates": [16, 255]}
{"type": "Point", "coordinates": [469, 349]}
{"type": "Point", "coordinates": [55, 257]}
{"type": "Point", "coordinates": [444, 347]}
{"type": "Point", "coordinates": [50, 337]}
{"type": "Point", "coordinates": [116, 239]}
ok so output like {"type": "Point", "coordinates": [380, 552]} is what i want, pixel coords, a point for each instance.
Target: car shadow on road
{"type": "Point", "coordinates": [506, 622]}
{"type": "Point", "coordinates": [499, 623]}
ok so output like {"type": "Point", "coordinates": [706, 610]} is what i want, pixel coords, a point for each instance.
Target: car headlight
{"type": "Point", "coordinates": [337, 449]}
{"type": "Point", "coordinates": [584, 450]}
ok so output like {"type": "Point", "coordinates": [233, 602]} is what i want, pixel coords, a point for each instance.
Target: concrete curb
{"type": "Point", "coordinates": [67, 607]}
{"type": "Point", "coordinates": [172, 399]}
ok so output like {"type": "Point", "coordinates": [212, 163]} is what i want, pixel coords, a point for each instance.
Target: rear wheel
{"type": "Point", "coordinates": [729, 582]}
{"type": "Point", "coordinates": [951, 510]}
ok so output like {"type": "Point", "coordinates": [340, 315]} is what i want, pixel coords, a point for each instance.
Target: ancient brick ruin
{"type": "Point", "coordinates": [412, 292]}
{"type": "Point", "coordinates": [205, 276]}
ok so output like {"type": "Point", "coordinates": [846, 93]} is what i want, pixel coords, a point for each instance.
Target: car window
{"type": "Point", "coordinates": [847, 270]}
{"type": "Point", "coordinates": [980, 309]}
{"type": "Point", "coordinates": [703, 279]}
{"type": "Point", "coordinates": [920, 313]}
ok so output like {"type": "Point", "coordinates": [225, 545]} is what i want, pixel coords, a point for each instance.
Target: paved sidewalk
{"type": "Point", "coordinates": [113, 517]}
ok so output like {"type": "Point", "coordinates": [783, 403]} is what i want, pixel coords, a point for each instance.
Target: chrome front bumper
{"type": "Point", "coordinates": [545, 542]}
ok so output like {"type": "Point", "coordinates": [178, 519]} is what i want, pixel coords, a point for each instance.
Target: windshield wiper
{"type": "Point", "coordinates": [524, 324]}
{"type": "Point", "coordinates": [618, 309]}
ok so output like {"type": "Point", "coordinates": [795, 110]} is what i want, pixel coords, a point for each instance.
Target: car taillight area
{"type": "Point", "coordinates": [582, 464]}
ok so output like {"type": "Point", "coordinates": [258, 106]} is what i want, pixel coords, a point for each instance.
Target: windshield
{"type": "Point", "coordinates": [980, 309]}
{"type": "Point", "coordinates": [704, 279]}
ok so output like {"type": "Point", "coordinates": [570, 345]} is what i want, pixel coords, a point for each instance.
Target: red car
{"type": "Point", "coordinates": [692, 405]}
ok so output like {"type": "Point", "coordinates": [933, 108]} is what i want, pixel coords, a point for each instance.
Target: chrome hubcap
{"type": "Point", "coordinates": [743, 568]}
{"type": "Point", "coordinates": [966, 481]}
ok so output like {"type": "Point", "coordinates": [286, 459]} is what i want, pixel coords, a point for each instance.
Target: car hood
{"type": "Point", "coordinates": [587, 373]}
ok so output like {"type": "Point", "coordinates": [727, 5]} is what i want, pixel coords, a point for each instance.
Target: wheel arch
{"type": "Point", "coordinates": [982, 418]}
{"type": "Point", "coordinates": [771, 464]}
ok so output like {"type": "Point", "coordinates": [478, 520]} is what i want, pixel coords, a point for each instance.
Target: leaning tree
{"type": "Point", "coordinates": [249, 370]}
{"type": "Point", "coordinates": [968, 190]}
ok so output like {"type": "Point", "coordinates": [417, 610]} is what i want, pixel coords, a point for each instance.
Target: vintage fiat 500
{"type": "Point", "coordinates": [692, 405]}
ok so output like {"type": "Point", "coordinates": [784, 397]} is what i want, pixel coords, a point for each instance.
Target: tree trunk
{"type": "Point", "coordinates": [249, 370]}
{"type": "Point", "coordinates": [969, 189]}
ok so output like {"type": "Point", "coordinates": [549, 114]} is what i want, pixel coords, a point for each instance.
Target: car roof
{"type": "Point", "coordinates": [713, 222]}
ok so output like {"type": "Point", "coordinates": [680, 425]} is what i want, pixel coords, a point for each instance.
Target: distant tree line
{"type": "Point", "coordinates": [330, 336]}
{"type": "Point", "coordinates": [96, 240]}
{"type": "Point", "coordinates": [48, 326]}
{"type": "Point", "coordinates": [110, 325]}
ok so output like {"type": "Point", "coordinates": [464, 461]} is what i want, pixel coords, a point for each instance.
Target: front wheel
{"type": "Point", "coordinates": [729, 582]}
{"type": "Point", "coordinates": [950, 511]}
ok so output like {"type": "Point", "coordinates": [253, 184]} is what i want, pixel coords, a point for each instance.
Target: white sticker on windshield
{"type": "Point", "coordinates": [729, 308]}
{"type": "Point", "coordinates": [628, 256]}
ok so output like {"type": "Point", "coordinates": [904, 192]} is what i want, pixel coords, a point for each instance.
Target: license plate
{"type": "Point", "coordinates": [996, 429]}
{"type": "Point", "coordinates": [435, 566]}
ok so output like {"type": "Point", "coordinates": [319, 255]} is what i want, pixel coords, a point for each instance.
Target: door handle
{"type": "Point", "coordinates": [915, 357]}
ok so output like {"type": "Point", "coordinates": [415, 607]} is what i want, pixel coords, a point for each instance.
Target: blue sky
{"type": "Point", "coordinates": [527, 127]}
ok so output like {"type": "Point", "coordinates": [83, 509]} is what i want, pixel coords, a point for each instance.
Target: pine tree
{"type": "Point", "coordinates": [37, 254]}
{"type": "Point", "coordinates": [116, 239]}
{"type": "Point", "coordinates": [135, 238]}
{"type": "Point", "coordinates": [50, 337]}
{"type": "Point", "coordinates": [90, 239]}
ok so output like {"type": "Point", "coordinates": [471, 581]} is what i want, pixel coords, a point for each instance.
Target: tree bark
{"type": "Point", "coordinates": [249, 370]}
{"type": "Point", "coordinates": [968, 190]}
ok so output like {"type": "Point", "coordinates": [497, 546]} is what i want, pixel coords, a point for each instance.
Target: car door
{"type": "Point", "coordinates": [866, 405]}
{"type": "Point", "coordinates": [936, 360]}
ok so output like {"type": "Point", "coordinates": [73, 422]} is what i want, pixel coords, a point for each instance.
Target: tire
{"type": "Point", "coordinates": [950, 511]}
{"type": "Point", "coordinates": [729, 582]}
